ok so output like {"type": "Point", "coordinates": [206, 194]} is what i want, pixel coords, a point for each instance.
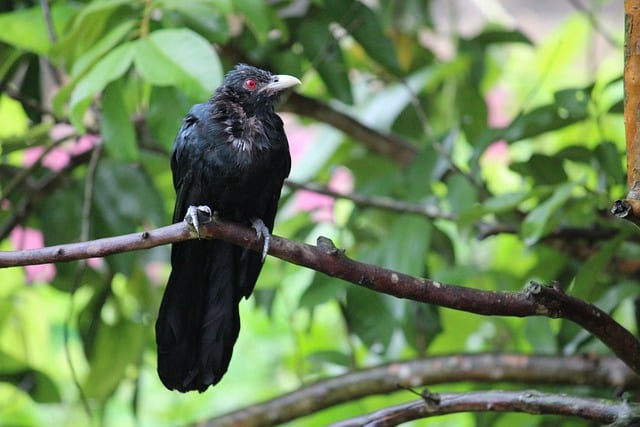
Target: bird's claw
{"type": "Point", "coordinates": [262, 231]}
{"type": "Point", "coordinates": [197, 215]}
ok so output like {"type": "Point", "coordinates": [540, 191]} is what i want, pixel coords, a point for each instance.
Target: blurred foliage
{"type": "Point", "coordinates": [518, 144]}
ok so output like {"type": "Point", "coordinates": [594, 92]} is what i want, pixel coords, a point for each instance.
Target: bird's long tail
{"type": "Point", "coordinates": [198, 322]}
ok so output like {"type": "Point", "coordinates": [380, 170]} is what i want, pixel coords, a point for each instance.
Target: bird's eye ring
{"type": "Point", "coordinates": [250, 84]}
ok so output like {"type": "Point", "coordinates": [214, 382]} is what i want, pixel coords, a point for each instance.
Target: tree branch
{"type": "Point", "coordinates": [44, 187]}
{"type": "Point", "coordinates": [600, 411]}
{"type": "Point", "coordinates": [379, 202]}
{"type": "Point", "coordinates": [388, 145]}
{"type": "Point", "coordinates": [536, 300]}
{"type": "Point", "coordinates": [597, 372]}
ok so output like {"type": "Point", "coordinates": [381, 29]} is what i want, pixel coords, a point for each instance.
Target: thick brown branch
{"type": "Point", "coordinates": [596, 372]}
{"type": "Point", "coordinates": [599, 411]}
{"type": "Point", "coordinates": [325, 258]}
{"type": "Point", "coordinates": [386, 144]}
{"type": "Point", "coordinates": [632, 95]}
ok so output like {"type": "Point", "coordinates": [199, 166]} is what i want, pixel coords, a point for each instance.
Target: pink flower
{"type": "Point", "coordinates": [496, 99]}
{"type": "Point", "coordinates": [29, 238]}
{"type": "Point", "coordinates": [58, 157]}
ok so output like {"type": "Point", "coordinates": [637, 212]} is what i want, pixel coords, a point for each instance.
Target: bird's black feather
{"type": "Point", "coordinates": [232, 155]}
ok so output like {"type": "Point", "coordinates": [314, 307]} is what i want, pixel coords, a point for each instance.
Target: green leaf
{"type": "Point", "coordinates": [407, 244]}
{"type": "Point", "coordinates": [540, 335]}
{"type": "Point", "coordinates": [504, 202]}
{"type": "Point", "coordinates": [538, 221]}
{"type": "Point", "coordinates": [421, 324]}
{"type": "Point", "coordinates": [333, 357]}
{"type": "Point", "coordinates": [321, 290]}
{"type": "Point", "coordinates": [609, 158]}
{"type": "Point", "coordinates": [461, 193]}
{"type": "Point", "coordinates": [167, 108]}
{"type": "Point", "coordinates": [26, 29]}
{"type": "Point", "coordinates": [363, 24]}
{"type": "Point", "coordinates": [41, 387]}
{"type": "Point", "coordinates": [323, 50]}
{"type": "Point", "coordinates": [493, 36]}
{"type": "Point", "coordinates": [179, 57]}
{"type": "Point", "coordinates": [117, 130]}
{"type": "Point", "coordinates": [204, 17]}
{"type": "Point", "coordinates": [570, 106]}
{"type": "Point", "coordinates": [545, 170]}
{"type": "Point", "coordinates": [257, 14]}
{"type": "Point", "coordinates": [117, 347]}
{"type": "Point", "coordinates": [126, 200]}
{"type": "Point", "coordinates": [105, 44]}
{"type": "Point", "coordinates": [371, 329]}
{"type": "Point", "coordinates": [584, 284]}
{"type": "Point", "coordinates": [109, 68]}
{"type": "Point", "coordinates": [90, 26]}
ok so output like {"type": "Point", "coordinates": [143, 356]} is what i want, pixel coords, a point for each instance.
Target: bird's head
{"type": "Point", "coordinates": [254, 88]}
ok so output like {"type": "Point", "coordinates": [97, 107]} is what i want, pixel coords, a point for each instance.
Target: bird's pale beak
{"type": "Point", "coordinates": [281, 82]}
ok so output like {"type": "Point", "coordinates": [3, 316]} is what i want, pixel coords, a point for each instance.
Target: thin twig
{"type": "Point", "coordinates": [24, 174]}
{"type": "Point", "coordinates": [44, 187]}
{"type": "Point", "coordinates": [386, 203]}
{"type": "Point", "coordinates": [82, 266]}
{"type": "Point", "coordinates": [595, 23]}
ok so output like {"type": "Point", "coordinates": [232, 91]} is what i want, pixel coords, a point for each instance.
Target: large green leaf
{"type": "Point", "coordinates": [207, 18]}
{"type": "Point", "coordinates": [126, 199]}
{"type": "Point", "coordinates": [569, 106]}
{"type": "Point", "coordinates": [167, 108]}
{"type": "Point", "coordinates": [179, 57]}
{"type": "Point", "coordinates": [109, 68]}
{"type": "Point", "coordinates": [364, 25]}
{"type": "Point", "coordinates": [118, 133]}
{"type": "Point", "coordinates": [39, 385]}
{"type": "Point", "coordinates": [545, 170]}
{"type": "Point", "coordinates": [539, 220]}
{"type": "Point", "coordinates": [116, 347]}
{"type": "Point", "coordinates": [584, 284]}
{"type": "Point", "coordinates": [370, 316]}
{"type": "Point", "coordinates": [406, 246]}
{"type": "Point", "coordinates": [26, 28]}
{"type": "Point", "coordinates": [90, 26]}
{"type": "Point", "coordinates": [258, 16]}
{"type": "Point", "coordinates": [323, 50]}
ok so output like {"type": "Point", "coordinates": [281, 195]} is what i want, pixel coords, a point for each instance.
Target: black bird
{"type": "Point", "coordinates": [230, 155]}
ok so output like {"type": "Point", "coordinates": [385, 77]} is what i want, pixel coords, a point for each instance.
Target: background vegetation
{"type": "Point", "coordinates": [483, 157]}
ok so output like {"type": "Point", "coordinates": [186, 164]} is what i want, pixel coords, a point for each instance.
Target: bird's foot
{"type": "Point", "coordinates": [262, 231]}
{"type": "Point", "coordinates": [197, 215]}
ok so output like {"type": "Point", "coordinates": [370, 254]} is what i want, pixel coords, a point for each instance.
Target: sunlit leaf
{"type": "Point", "coordinates": [322, 49]}
{"type": "Point", "coordinates": [538, 221]}
{"type": "Point", "coordinates": [182, 58]}
{"type": "Point", "coordinates": [109, 68]}
{"type": "Point", "coordinates": [25, 28]}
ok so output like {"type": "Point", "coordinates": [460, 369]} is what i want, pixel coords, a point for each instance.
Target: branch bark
{"type": "Point", "coordinates": [600, 411]}
{"type": "Point", "coordinates": [597, 372]}
{"type": "Point", "coordinates": [388, 145]}
{"type": "Point", "coordinates": [536, 300]}
{"type": "Point", "coordinates": [629, 208]}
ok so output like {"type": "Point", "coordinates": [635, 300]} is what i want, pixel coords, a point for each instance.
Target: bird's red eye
{"type": "Point", "coordinates": [250, 84]}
